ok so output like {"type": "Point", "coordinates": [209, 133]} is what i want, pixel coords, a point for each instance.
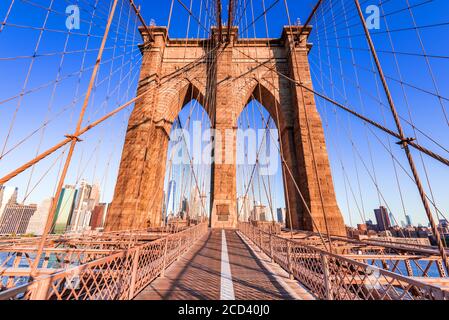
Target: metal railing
{"type": "Point", "coordinates": [335, 277]}
{"type": "Point", "coordinates": [60, 252]}
{"type": "Point", "coordinates": [411, 261]}
{"type": "Point", "coordinates": [118, 276]}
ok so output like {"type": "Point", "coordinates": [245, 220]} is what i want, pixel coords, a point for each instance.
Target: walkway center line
{"type": "Point", "coordinates": [226, 285]}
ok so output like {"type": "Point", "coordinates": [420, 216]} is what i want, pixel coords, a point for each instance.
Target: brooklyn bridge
{"type": "Point", "coordinates": [224, 150]}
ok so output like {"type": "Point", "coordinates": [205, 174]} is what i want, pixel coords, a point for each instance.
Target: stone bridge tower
{"type": "Point", "coordinates": [224, 78]}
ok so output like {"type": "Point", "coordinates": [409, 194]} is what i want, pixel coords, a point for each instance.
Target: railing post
{"type": "Point", "coordinates": [40, 291]}
{"type": "Point", "coordinates": [164, 259]}
{"type": "Point", "coordinates": [132, 286]}
{"type": "Point", "coordinates": [271, 248]}
{"type": "Point", "coordinates": [327, 287]}
{"type": "Point", "coordinates": [16, 263]}
{"type": "Point", "coordinates": [289, 261]}
{"type": "Point", "coordinates": [409, 268]}
{"type": "Point", "coordinates": [441, 270]}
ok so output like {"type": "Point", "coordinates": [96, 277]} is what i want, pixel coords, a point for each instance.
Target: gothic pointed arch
{"type": "Point", "coordinates": [223, 83]}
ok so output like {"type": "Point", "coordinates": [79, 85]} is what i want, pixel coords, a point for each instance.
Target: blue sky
{"type": "Point", "coordinates": [353, 148]}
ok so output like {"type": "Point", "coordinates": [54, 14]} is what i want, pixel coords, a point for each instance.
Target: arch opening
{"type": "Point", "coordinates": [187, 179]}
{"type": "Point", "coordinates": [259, 174]}
{"type": "Point", "coordinates": [276, 107]}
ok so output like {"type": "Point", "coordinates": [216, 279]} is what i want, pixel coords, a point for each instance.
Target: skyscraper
{"type": "Point", "coordinates": [259, 213]}
{"type": "Point", "coordinates": [171, 196]}
{"type": "Point", "coordinates": [184, 208]}
{"type": "Point", "coordinates": [197, 208]}
{"type": "Point", "coordinates": [281, 214]}
{"type": "Point", "coordinates": [39, 218]}
{"type": "Point", "coordinates": [98, 215]}
{"type": "Point", "coordinates": [382, 218]}
{"type": "Point", "coordinates": [244, 208]}
{"type": "Point", "coordinates": [408, 220]}
{"type": "Point", "coordinates": [87, 198]}
{"type": "Point", "coordinates": [64, 209]}
{"type": "Point", "coordinates": [16, 217]}
{"type": "Point", "coordinates": [7, 195]}
{"type": "Point", "coordinates": [392, 220]}
{"type": "Point", "coordinates": [195, 204]}
{"type": "Point", "coordinates": [203, 211]}
{"type": "Point", "coordinates": [164, 207]}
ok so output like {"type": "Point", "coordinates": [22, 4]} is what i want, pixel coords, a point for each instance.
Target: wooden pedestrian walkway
{"type": "Point", "coordinates": [223, 266]}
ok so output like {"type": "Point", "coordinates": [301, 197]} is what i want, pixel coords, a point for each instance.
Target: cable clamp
{"type": "Point", "coordinates": [404, 142]}
{"type": "Point", "coordinates": [73, 137]}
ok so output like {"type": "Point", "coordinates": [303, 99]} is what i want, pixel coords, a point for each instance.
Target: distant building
{"type": "Point", "coordinates": [185, 204]}
{"type": "Point", "coordinates": [244, 208]}
{"type": "Point", "coordinates": [392, 220]}
{"type": "Point", "coordinates": [203, 201]}
{"type": "Point", "coordinates": [443, 226]}
{"type": "Point", "coordinates": [370, 225]}
{"type": "Point", "coordinates": [7, 195]}
{"type": "Point", "coordinates": [16, 217]}
{"type": "Point", "coordinates": [281, 215]}
{"type": "Point", "coordinates": [362, 228]}
{"type": "Point", "coordinates": [88, 196]}
{"type": "Point", "coordinates": [259, 213]}
{"type": "Point", "coordinates": [164, 206]}
{"type": "Point", "coordinates": [184, 208]}
{"type": "Point", "coordinates": [408, 220]}
{"type": "Point", "coordinates": [39, 218]}
{"type": "Point", "coordinates": [64, 209]}
{"type": "Point", "coordinates": [98, 216]}
{"type": "Point", "coordinates": [382, 218]}
{"type": "Point", "coordinates": [171, 197]}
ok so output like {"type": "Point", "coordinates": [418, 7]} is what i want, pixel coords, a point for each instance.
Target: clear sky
{"type": "Point", "coordinates": [358, 159]}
